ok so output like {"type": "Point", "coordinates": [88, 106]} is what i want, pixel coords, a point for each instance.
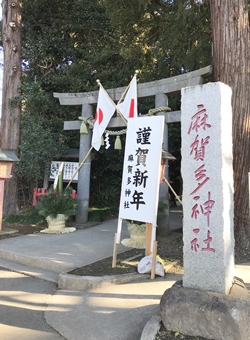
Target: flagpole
{"type": "Point", "coordinates": [79, 167]}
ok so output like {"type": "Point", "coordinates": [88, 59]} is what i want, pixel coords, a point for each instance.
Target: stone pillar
{"type": "Point", "coordinates": [161, 100]}
{"type": "Point", "coordinates": [206, 129]}
{"type": "Point", "coordinates": [84, 173]}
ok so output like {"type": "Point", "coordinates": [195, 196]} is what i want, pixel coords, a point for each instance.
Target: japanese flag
{"type": "Point", "coordinates": [128, 107]}
{"type": "Point", "coordinates": [104, 112]}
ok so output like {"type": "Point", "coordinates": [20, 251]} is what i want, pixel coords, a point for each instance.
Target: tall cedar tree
{"type": "Point", "coordinates": [230, 26]}
{"type": "Point", "coordinates": [10, 121]}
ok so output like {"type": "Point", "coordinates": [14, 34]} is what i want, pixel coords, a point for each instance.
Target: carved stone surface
{"type": "Point", "coordinates": [207, 314]}
{"type": "Point", "coordinates": [207, 197]}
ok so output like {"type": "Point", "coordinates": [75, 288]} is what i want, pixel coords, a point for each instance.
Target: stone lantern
{"type": "Point", "coordinates": [7, 158]}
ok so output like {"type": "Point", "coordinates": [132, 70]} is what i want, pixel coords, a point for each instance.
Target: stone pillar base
{"type": "Point", "coordinates": [207, 314]}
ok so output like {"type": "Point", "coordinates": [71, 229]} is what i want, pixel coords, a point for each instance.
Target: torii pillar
{"type": "Point", "coordinates": [84, 173]}
{"type": "Point", "coordinates": [161, 100]}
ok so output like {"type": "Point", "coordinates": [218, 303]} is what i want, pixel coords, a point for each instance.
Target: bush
{"type": "Point", "coordinates": [57, 203]}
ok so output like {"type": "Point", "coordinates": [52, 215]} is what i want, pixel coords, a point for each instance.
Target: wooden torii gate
{"type": "Point", "coordinates": [160, 90]}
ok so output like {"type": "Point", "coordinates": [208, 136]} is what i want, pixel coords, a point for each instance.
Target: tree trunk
{"type": "Point", "coordinates": [230, 26]}
{"type": "Point", "coordinates": [10, 120]}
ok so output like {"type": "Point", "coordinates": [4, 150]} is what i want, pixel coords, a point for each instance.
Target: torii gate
{"type": "Point", "coordinates": [159, 89]}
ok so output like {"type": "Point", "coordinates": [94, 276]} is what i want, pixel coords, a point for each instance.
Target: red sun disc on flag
{"type": "Point", "coordinates": [99, 116]}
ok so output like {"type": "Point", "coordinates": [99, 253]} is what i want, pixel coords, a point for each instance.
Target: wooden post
{"type": "Point", "coordinates": [154, 260]}
{"type": "Point", "coordinates": [114, 252]}
{"type": "Point", "coordinates": [1, 200]}
{"type": "Point", "coordinates": [148, 238]}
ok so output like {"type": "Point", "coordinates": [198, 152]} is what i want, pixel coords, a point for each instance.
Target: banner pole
{"type": "Point", "coordinates": [173, 190]}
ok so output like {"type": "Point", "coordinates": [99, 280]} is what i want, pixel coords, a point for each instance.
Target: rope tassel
{"type": "Point", "coordinates": [83, 129]}
{"type": "Point", "coordinates": [118, 143]}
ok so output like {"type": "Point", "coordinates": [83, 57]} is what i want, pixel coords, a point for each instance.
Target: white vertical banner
{"type": "Point", "coordinates": [141, 169]}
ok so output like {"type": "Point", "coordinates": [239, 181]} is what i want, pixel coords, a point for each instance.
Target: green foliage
{"type": "Point", "coordinates": [178, 334]}
{"type": "Point", "coordinates": [41, 141]}
{"type": "Point", "coordinates": [69, 44]}
{"type": "Point", "coordinates": [57, 203]}
{"type": "Point", "coordinates": [160, 335]}
{"type": "Point", "coordinates": [168, 37]}
{"type": "Point", "coordinates": [31, 215]}
{"type": "Point", "coordinates": [38, 146]}
{"type": "Point", "coordinates": [186, 27]}
{"type": "Point", "coordinates": [27, 216]}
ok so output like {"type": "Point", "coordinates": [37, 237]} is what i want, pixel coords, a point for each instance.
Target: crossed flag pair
{"type": "Point", "coordinates": [104, 112]}
{"type": "Point", "coordinates": [106, 108]}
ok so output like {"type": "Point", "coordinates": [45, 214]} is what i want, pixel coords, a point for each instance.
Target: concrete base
{"type": "Point", "coordinates": [207, 314]}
